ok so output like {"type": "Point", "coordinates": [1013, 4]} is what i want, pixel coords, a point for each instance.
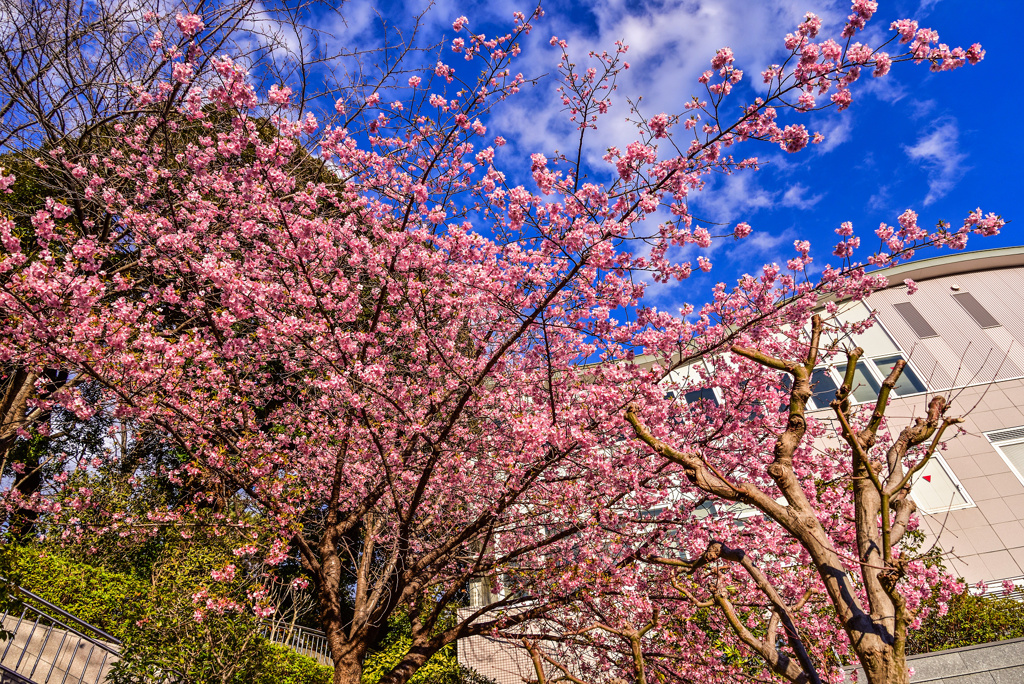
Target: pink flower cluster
{"type": "Point", "coordinates": [189, 24]}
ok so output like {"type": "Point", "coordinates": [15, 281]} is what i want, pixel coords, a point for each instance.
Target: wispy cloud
{"type": "Point", "coordinates": [741, 194]}
{"type": "Point", "coordinates": [881, 200]}
{"type": "Point", "coordinates": [836, 129]}
{"type": "Point", "coordinates": [796, 197]}
{"type": "Point", "coordinates": [938, 152]}
{"type": "Point", "coordinates": [671, 43]}
{"type": "Point", "coordinates": [736, 195]}
{"type": "Point", "coordinates": [888, 90]}
{"type": "Point", "coordinates": [921, 108]}
{"type": "Point", "coordinates": [761, 248]}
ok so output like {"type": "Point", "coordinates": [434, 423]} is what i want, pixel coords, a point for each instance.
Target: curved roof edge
{"type": "Point", "coordinates": [955, 264]}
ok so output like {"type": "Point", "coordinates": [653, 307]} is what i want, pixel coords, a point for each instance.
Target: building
{"type": "Point", "coordinates": [962, 334]}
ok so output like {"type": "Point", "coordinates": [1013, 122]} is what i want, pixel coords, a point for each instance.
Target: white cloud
{"type": "Point", "coordinates": [881, 200]}
{"type": "Point", "coordinates": [886, 89]}
{"type": "Point", "coordinates": [740, 194]}
{"type": "Point", "coordinates": [938, 152]}
{"type": "Point", "coordinates": [921, 108]}
{"type": "Point", "coordinates": [734, 196]}
{"type": "Point", "coordinates": [763, 247]}
{"type": "Point", "coordinates": [670, 43]}
{"type": "Point", "coordinates": [795, 197]}
{"type": "Point", "coordinates": [836, 129]}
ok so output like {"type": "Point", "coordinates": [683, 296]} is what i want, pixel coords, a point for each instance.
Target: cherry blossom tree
{"type": "Point", "coordinates": [842, 516]}
{"type": "Point", "coordinates": [384, 350]}
{"type": "Point", "coordinates": [772, 532]}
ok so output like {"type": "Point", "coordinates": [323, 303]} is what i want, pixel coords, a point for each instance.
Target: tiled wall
{"type": "Point", "coordinates": [986, 541]}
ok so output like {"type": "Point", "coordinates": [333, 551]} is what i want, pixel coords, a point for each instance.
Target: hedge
{"type": "Point", "coordinates": [114, 602]}
{"type": "Point", "coordinates": [970, 620]}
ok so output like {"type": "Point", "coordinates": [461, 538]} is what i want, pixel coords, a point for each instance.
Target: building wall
{"type": "Point", "coordinates": [983, 369]}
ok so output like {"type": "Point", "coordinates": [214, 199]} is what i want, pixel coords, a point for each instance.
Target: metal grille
{"type": "Point", "coordinates": [1005, 435]}
{"type": "Point", "coordinates": [976, 311]}
{"type": "Point", "coordinates": [994, 589]}
{"type": "Point", "coordinates": [915, 320]}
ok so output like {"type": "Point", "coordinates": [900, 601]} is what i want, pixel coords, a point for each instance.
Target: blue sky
{"type": "Point", "coordinates": [941, 144]}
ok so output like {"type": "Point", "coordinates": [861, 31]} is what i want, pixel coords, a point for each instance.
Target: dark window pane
{"type": "Point", "coordinates": [865, 387]}
{"type": "Point", "coordinates": [786, 386]}
{"type": "Point", "coordinates": [703, 393]}
{"type": "Point", "coordinates": [823, 388]}
{"type": "Point", "coordinates": [908, 383]}
{"type": "Point", "coordinates": [915, 320]}
{"type": "Point", "coordinates": [973, 307]}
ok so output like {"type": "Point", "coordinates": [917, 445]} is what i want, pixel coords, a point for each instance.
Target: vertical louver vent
{"type": "Point", "coordinates": [915, 320]}
{"type": "Point", "coordinates": [973, 307]}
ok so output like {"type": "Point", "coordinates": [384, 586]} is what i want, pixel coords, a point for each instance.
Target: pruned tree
{"type": "Point", "coordinates": [861, 566]}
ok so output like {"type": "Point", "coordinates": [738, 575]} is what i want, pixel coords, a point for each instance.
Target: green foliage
{"type": "Point", "coordinates": [442, 668]}
{"type": "Point", "coordinates": [108, 600]}
{"type": "Point", "coordinates": [262, 663]}
{"type": "Point", "coordinates": [220, 645]}
{"type": "Point", "coordinates": [27, 195]}
{"type": "Point", "coordinates": [154, 617]}
{"type": "Point", "coordinates": [395, 645]}
{"type": "Point", "coordinates": [971, 620]}
{"type": "Point", "coordinates": [282, 665]}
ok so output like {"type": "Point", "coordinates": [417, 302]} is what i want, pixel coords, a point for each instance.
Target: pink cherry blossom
{"type": "Point", "coordinates": [279, 95]}
{"type": "Point", "coordinates": [189, 24]}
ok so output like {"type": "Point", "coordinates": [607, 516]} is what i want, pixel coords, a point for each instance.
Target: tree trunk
{"type": "Point", "coordinates": [347, 670]}
{"type": "Point", "coordinates": [346, 655]}
{"type": "Point", "coordinates": [883, 666]}
{"type": "Point", "coordinates": [347, 650]}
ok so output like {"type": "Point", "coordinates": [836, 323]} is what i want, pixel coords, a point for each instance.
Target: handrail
{"type": "Point", "coordinates": [50, 645]}
{"type": "Point", "coordinates": [303, 640]}
{"type": "Point", "coordinates": [275, 625]}
{"type": "Point", "coordinates": [60, 611]}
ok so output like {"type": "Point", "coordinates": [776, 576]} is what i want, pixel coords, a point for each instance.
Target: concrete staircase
{"type": "Point", "coordinates": [52, 646]}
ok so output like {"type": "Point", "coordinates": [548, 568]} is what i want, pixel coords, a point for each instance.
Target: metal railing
{"type": "Point", "coordinates": [302, 640]}
{"type": "Point", "coordinates": [49, 645]}
{"type": "Point", "coordinates": [994, 589]}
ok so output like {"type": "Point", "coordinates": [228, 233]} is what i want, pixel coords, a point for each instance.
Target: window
{"type": "Point", "coordinates": [823, 387]}
{"type": "Point", "coordinates": [936, 489]}
{"type": "Point", "coordinates": [692, 375]}
{"type": "Point", "coordinates": [908, 383]}
{"type": "Point", "coordinates": [865, 386]}
{"type": "Point", "coordinates": [705, 393]}
{"type": "Point", "coordinates": [868, 375]}
{"type": "Point", "coordinates": [975, 310]}
{"type": "Point", "coordinates": [915, 320]}
{"type": "Point", "coordinates": [1010, 445]}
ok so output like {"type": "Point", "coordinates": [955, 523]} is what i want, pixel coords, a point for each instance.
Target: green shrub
{"type": "Point", "coordinates": [282, 665]}
{"type": "Point", "coordinates": [971, 620]}
{"type": "Point", "coordinates": [154, 621]}
{"type": "Point", "coordinates": [108, 600]}
{"type": "Point", "coordinates": [442, 668]}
